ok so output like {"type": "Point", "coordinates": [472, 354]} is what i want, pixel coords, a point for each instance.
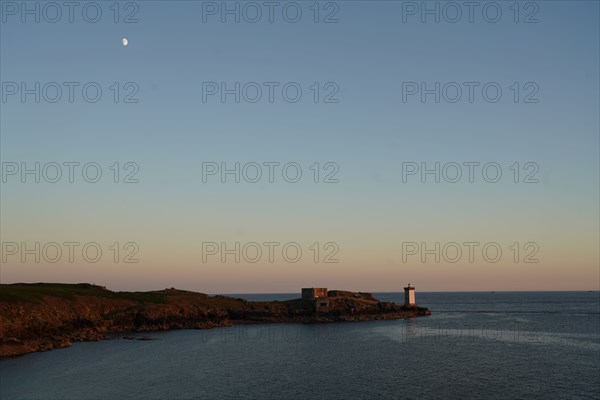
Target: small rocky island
{"type": "Point", "coordinates": [46, 316]}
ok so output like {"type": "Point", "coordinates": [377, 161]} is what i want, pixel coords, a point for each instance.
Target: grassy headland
{"type": "Point", "coordinates": [44, 316]}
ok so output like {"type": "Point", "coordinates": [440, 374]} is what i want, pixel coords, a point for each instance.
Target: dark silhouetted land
{"type": "Point", "coordinates": [45, 316]}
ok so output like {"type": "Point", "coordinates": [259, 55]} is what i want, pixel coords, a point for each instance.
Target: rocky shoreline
{"type": "Point", "coordinates": [42, 317]}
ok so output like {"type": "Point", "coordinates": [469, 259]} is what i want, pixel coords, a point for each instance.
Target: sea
{"type": "Point", "coordinates": [502, 345]}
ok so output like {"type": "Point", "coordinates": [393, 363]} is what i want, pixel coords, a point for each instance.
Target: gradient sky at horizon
{"type": "Point", "coordinates": [369, 133]}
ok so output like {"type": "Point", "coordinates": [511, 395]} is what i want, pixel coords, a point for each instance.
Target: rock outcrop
{"type": "Point", "coordinates": [41, 317]}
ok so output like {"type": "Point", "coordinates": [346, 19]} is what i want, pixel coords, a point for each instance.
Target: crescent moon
{"type": "Point", "coordinates": [125, 42]}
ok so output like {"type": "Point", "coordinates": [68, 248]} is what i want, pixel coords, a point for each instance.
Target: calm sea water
{"type": "Point", "coordinates": [475, 345]}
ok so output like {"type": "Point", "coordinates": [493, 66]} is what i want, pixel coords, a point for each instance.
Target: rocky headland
{"type": "Point", "coordinates": [46, 316]}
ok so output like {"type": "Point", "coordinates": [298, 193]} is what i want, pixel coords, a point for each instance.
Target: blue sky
{"type": "Point", "coordinates": [368, 133]}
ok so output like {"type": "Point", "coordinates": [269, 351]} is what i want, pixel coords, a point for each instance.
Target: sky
{"type": "Point", "coordinates": [181, 121]}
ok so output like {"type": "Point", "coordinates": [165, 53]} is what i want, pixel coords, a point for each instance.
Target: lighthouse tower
{"type": "Point", "coordinates": [409, 296]}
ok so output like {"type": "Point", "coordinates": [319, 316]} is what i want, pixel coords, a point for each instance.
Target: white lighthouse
{"type": "Point", "coordinates": [409, 296]}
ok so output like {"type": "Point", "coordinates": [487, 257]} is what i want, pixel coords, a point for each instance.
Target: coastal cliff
{"type": "Point", "coordinates": [45, 316]}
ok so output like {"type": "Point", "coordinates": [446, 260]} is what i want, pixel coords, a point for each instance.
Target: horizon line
{"type": "Point", "coordinates": [363, 291]}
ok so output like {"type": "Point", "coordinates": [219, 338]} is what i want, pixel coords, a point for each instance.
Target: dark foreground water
{"type": "Point", "coordinates": [475, 345]}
